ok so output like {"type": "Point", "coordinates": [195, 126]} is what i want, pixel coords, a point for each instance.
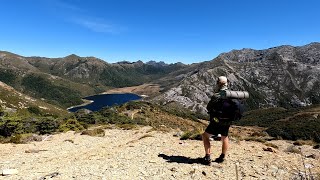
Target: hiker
{"type": "Point", "coordinates": [216, 126]}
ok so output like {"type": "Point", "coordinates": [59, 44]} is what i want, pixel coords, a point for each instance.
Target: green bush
{"type": "Point", "coordinates": [16, 139]}
{"type": "Point", "coordinates": [34, 110]}
{"type": "Point", "coordinates": [304, 127]}
{"type": "Point", "coordinates": [71, 125]}
{"type": "Point", "coordinates": [47, 125]}
{"type": "Point", "coordinates": [193, 135]}
{"type": "Point", "coordinates": [11, 126]}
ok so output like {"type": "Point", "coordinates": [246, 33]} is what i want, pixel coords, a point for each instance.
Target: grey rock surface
{"type": "Point", "coordinates": [283, 76]}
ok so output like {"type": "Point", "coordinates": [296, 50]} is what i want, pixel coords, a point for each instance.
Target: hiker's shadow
{"type": "Point", "coordinates": [181, 159]}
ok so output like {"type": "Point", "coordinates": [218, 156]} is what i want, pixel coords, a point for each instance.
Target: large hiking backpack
{"type": "Point", "coordinates": [227, 108]}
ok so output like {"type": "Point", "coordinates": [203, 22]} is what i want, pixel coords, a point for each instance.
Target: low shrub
{"type": "Point", "coordinates": [47, 125]}
{"type": "Point", "coordinates": [71, 125]}
{"type": "Point", "coordinates": [34, 110]}
{"type": "Point", "coordinates": [192, 135]}
{"type": "Point", "coordinates": [16, 139]}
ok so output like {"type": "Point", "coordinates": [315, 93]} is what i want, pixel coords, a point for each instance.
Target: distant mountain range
{"type": "Point", "coordinates": [63, 81]}
{"type": "Point", "coordinates": [284, 76]}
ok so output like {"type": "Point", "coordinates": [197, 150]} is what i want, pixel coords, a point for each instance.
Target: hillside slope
{"type": "Point", "coordinates": [146, 154]}
{"type": "Point", "coordinates": [284, 76]}
{"type": "Point", "coordinates": [12, 100]}
{"type": "Point", "coordinates": [73, 77]}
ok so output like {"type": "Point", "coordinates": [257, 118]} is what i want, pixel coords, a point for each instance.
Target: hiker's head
{"type": "Point", "coordinates": [222, 81]}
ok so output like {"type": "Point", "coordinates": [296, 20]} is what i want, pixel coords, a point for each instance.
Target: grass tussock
{"type": "Point", "coordinates": [271, 145]}
{"type": "Point", "coordinates": [293, 149]}
{"type": "Point", "coordinates": [192, 135]}
{"type": "Point", "coordinates": [99, 132]}
{"type": "Point", "coordinates": [303, 142]}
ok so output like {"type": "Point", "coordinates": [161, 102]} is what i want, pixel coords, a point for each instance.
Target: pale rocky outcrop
{"type": "Point", "coordinates": [284, 76]}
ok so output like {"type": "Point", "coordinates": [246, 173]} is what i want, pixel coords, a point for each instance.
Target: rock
{"type": "Point", "coordinates": [69, 140]}
{"type": "Point", "coordinates": [51, 175]}
{"type": "Point", "coordinates": [34, 137]}
{"type": "Point", "coordinates": [7, 172]}
{"type": "Point", "coordinates": [294, 149]}
{"type": "Point", "coordinates": [174, 169]}
{"type": "Point", "coordinates": [34, 150]}
{"type": "Point", "coordinates": [257, 69]}
{"type": "Point", "coordinates": [204, 173]}
{"type": "Point", "coordinates": [269, 149]}
{"type": "Point", "coordinates": [313, 156]}
{"type": "Point", "coordinates": [178, 134]}
{"type": "Point", "coordinates": [308, 166]}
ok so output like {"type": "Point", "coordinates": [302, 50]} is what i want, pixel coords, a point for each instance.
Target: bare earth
{"type": "Point", "coordinates": [145, 154]}
{"type": "Point", "coordinates": [144, 89]}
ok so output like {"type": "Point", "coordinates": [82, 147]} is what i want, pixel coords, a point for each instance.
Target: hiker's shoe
{"type": "Point", "coordinates": [220, 159]}
{"type": "Point", "coordinates": [206, 160]}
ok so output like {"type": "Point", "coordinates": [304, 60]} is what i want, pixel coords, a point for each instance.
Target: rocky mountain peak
{"type": "Point", "coordinates": [72, 56]}
{"type": "Point", "coordinates": [285, 76]}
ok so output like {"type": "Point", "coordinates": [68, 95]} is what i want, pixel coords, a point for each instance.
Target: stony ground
{"type": "Point", "coordinates": [146, 154]}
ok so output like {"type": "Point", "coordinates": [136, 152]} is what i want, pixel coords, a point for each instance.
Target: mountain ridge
{"type": "Point", "coordinates": [285, 76]}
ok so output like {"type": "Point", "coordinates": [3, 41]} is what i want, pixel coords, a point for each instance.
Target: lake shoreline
{"type": "Point", "coordinates": [86, 102]}
{"type": "Point", "coordinates": [98, 101]}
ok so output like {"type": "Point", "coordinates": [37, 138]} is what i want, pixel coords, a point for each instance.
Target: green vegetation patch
{"type": "Point", "coordinates": [43, 88]}
{"type": "Point", "coordinates": [291, 124]}
{"type": "Point", "coordinates": [8, 76]}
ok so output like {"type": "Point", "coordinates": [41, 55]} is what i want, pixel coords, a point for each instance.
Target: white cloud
{"type": "Point", "coordinates": [80, 16]}
{"type": "Point", "coordinates": [65, 6]}
{"type": "Point", "coordinates": [96, 25]}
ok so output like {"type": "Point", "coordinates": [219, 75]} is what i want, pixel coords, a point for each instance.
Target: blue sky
{"type": "Point", "coordinates": [188, 31]}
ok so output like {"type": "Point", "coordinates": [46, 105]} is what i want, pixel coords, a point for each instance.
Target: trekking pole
{"type": "Point", "coordinates": [237, 178]}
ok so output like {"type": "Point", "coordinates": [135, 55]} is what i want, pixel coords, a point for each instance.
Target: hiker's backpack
{"type": "Point", "coordinates": [227, 108]}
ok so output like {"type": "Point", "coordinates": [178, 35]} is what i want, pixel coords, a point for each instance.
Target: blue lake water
{"type": "Point", "coordinates": [102, 100]}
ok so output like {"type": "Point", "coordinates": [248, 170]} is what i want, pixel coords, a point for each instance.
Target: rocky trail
{"type": "Point", "coordinates": [146, 154]}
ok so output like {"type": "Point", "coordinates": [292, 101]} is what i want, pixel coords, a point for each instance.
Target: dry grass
{"type": "Point", "coordinates": [127, 126]}
{"type": "Point", "coordinates": [144, 89]}
{"type": "Point", "coordinates": [256, 139]}
{"type": "Point", "coordinates": [293, 149]}
{"type": "Point", "coordinates": [99, 132]}
{"type": "Point", "coordinates": [192, 135]}
{"type": "Point", "coordinates": [145, 136]}
{"type": "Point", "coordinates": [271, 145]}
{"type": "Point", "coordinates": [304, 142]}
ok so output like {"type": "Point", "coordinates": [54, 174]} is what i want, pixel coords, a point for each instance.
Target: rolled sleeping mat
{"type": "Point", "coordinates": [236, 94]}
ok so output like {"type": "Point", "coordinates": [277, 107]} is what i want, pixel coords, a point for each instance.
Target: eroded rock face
{"type": "Point", "coordinates": [284, 76]}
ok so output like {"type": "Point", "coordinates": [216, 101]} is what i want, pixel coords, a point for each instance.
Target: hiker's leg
{"type": "Point", "coordinates": [225, 144]}
{"type": "Point", "coordinates": [206, 142]}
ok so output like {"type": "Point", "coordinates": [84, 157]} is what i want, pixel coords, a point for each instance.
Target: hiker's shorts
{"type": "Point", "coordinates": [218, 128]}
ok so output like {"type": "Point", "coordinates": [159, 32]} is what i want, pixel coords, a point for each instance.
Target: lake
{"type": "Point", "coordinates": [102, 100]}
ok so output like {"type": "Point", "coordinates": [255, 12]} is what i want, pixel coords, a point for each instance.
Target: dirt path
{"type": "Point", "coordinates": [145, 154]}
